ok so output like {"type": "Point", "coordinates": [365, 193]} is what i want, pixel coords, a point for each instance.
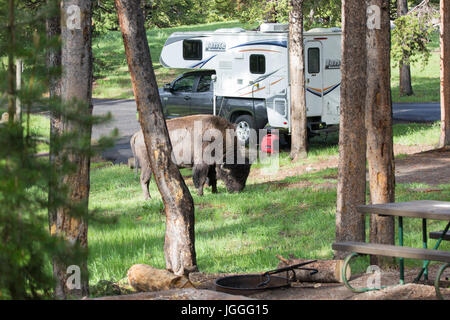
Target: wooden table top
{"type": "Point", "coordinates": [425, 209]}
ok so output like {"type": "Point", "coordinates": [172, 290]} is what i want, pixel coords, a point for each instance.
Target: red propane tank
{"type": "Point", "coordinates": [267, 143]}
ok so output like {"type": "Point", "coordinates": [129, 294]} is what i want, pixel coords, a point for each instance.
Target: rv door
{"type": "Point", "coordinates": [314, 78]}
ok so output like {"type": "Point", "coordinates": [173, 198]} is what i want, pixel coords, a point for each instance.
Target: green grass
{"type": "Point", "coordinates": [234, 232]}
{"type": "Point", "coordinates": [417, 134]}
{"type": "Point", "coordinates": [39, 126]}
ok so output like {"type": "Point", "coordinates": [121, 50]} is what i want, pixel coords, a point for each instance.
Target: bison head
{"type": "Point", "coordinates": [233, 175]}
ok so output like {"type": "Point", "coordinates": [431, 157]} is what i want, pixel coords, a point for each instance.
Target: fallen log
{"type": "Point", "coordinates": [145, 278]}
{"type": "Point", "coordinates": [330, 271]}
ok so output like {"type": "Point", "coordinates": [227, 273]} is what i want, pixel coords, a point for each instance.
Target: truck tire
{"type": "Point", "coordinates": [244, 125]}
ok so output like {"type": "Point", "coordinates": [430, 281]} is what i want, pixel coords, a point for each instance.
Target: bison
{"type": "Point", "coordinates": [212, 156]}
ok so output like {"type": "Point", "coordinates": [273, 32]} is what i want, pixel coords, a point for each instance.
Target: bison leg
{"type": "Point", "coordinates": [212, 180]}
{"type": "Point", "coordinates": [199, 176]}
{"type": "Point", "coordinates": [146, 176]}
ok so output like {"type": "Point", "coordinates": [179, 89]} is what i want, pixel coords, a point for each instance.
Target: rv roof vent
{"type": "Point", "coordinates": [274, 27]}
{"type": "Point", "coordinates": [230, 30]}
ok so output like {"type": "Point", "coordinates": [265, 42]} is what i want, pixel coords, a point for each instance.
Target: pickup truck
{"type": "Point", "coordinates": [192, 93]}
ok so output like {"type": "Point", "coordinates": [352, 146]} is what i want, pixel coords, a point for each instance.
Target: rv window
{"type": "Point", "coordinates": [313, 60]}
{"type": "Point", "coordinates": [257, 64]}
{"type": "Point", "coordinates": [192, 50]}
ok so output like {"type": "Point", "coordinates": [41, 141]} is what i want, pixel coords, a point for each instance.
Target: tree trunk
{"type": "Point", "coordinates": [299, 144]}
{"type": "Point", "coordinates": [11, 70]}
{"type": "Point", "coordinates": [380, 146]}
{"type": "Point", "coordinates": [405, 79]}
{"type": "Point", "coordinates": [18, 116]}
{"type": "Point", "coordinates": [405, 68]}
{"type": "Point", "coordinates": [53, 60]}
{"type": "Point", "coordinates": [351, 190]}
{"type": "Point", "coordinates": [76, 93]}
{"type": "Point", "coordinates": [179, 243]}
{"type": "Point", "coordinates": [445, 74]}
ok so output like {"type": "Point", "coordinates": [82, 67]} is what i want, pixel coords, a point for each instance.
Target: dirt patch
{"type": "Point", "coordinates": [431, 167]}
{"type": "Point", "coordinates": [302, 185]}
{"type": "Point", "coordinates": [282, 173]}
{"type": "Point", "coordinates": [409, 291]}
{"type": "Point", "coordinates": [422, 164]}
{"type": "Point", "coordinates": [337, 291]}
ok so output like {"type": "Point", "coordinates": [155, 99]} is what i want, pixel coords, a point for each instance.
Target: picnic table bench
{"type": "Point", "coordinates": [438, 234]}
{"type": "Point", "coordinates": [425, 209]}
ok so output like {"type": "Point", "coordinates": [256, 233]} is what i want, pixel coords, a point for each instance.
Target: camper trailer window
{"type": "Point", "coordinates": [257, 63]}
{"type": "Point", "coordinates": [313, 60]}
{"type": "Point", "coordinates": [192, 50]}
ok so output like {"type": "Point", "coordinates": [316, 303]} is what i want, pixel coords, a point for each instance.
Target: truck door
{"type": "Point", "coordinates": [314, 78]}
{"type": "Point", "coordinates": [202, 99]}
{"type": "Point", "coordinates": [179, 101]}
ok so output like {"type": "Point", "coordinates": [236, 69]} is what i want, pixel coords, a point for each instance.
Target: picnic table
{"type": "Point", "coordinates": [423, 209]}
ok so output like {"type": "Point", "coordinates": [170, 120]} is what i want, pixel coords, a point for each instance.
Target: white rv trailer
{"type": "Point", "coordinates": [255, 65]}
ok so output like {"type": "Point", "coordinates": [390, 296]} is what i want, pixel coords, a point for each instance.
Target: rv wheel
{"type": "Point", "coordinates": [244, 125]}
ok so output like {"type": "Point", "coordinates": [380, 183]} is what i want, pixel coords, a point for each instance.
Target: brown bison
{"type": "Point", "coordinates": [205, 143]}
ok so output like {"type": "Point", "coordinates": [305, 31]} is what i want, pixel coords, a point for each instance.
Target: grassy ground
{"type": "Point", "coordinates": [113, 80]}
{"type": "Point", "coordinates": [234, 232]}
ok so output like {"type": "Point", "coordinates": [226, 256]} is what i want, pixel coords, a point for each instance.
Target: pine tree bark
{"type": "Point", "coordinates": [445, 74]}
{"type": "Point", "coordinates": [76, 89]}
{"type": "Point", "coordinates": [53, 60]}
{"type": "Point", "coordinates": [179, 246]}
{"type": "Point", "coordinates": [380, 146]}
{"type": "Point", "coordinates": [405, 68]}
{"type": "Point", "coordinates": [11, 70]}
{"type": "Point", "coordinates": [351, 190]}
{"type": "Point", "coordinates": [299, 136]}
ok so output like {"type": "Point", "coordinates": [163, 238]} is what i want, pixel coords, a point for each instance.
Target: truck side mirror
{"type": "Point", "coordinates": [168, 87]}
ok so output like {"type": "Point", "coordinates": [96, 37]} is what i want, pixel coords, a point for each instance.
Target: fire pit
{"type": "Point", "coordinates": [255, 283]}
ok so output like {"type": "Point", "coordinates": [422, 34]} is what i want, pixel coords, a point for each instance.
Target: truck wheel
{"type": "Point", "coordinates": [244, 125]}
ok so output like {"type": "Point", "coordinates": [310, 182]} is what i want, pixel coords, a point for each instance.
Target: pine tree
{"type": "Point", "coordinates": [299, 145]}
{"type": "Point", "coordinates": [351, 190]}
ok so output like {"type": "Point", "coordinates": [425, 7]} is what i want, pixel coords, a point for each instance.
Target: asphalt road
{"type": "Point", "coordinates": [417, 112]}
{"type": "Point", "coordinates": [124, 119]}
